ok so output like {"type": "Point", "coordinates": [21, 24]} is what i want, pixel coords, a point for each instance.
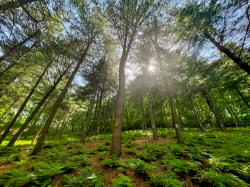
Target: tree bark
{"type": "Point", "coordinates": [200, 125]}
{"type": "Point", "coordinates": [152, 117]}
{"type": "Point", "coordinates": [39, 105]}
{"type": "Point", "coordinates": [217, 117]}
{"type": "Point", "coordinates": [242, 97]}
{"type": "Point", "coordinates": [7, 129]}
{"type": "Point", "coordinates": [11, 105]}
{"type": "Point", "coordinates": [243, 65]}
{"type": "Point", "coordinates": [142, 114]}
{"type": "Point", "coordinates": [16, 62]}
{"type": "Point", "coordinates": [45, 130]}
{"type": "Point", "coordinates": [99, 116]}
{"type": "Point", "coordinates": [88, 116]}
{"type": "Point", "coordinates": [16, 4]}
{"type": "Point", "coordinates": [121, 96]}
{"type": "Point", "coordinates": [35, 121]}
{"type": "Point", "coordinates": [65, 123]}
{"type": "Point", "coordinates": [172, 104]}
{"type": "Point", "coordinates": [11, 50]}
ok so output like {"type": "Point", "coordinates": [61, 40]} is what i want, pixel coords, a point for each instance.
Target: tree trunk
{"type": "Point", "coordinates": [175, 124]}
{"type": "Point", "coordinates": [31, 128]}
{"type": "Point", "coordinates": [11, 105]}
{"type": "Point", "coordinates": [10, 51]}
{"type": "Point", "coordinates": [195, 113]}
{"type": "Point", "coordinates": [16, 4]}
{"type": "Point", "coordinates": [152, 117]}
{"type": "Point", "coordinates": [7, 129]}
{"type": "Point", "coordinates": [16, 62]}
{"type": "Point", "coordinates": [217, 117]}
{"type": "Point", "coordinates": [99, 116]}
{"type": "Point", "coordinates": [88, 116]}
{"type": "Point", "coordinates": [121, 96]}
{"type": "Point", "coordinates": [45, 130]}
{"type": "Point", "coordinates": [181, 123]}
{"type": "Point", "coordinates": [142, 114]}
{"type": "Point", "coordinates": [231, 55]}
{"type": "Point", "coordinates": [242, 97]}
{"type": "Point", "coordinates": [39, 105]}
{"type": "Point", "coordinates": [65, 123]}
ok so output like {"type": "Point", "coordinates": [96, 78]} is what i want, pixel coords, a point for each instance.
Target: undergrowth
{"type": "Point", "coordinates": [207, 159]}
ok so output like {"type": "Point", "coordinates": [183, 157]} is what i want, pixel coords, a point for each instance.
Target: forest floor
{"type": "Point", "coordinates": [207, 159]}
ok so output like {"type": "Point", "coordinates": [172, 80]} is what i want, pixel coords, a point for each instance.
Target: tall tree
{"type": "Point", "coordinates": [8, 127]}
{"type": "Point", "coordinates": [127, 18]}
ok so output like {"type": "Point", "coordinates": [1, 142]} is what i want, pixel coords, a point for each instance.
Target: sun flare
{"type": "Point", "coordinates": [151, 68]}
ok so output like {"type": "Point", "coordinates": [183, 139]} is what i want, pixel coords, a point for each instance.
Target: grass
{"type": "Point", "coordinates": [208, 159]}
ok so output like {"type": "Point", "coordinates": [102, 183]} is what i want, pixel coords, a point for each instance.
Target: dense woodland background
{"type": "Point", "coordinates": [85, 68]}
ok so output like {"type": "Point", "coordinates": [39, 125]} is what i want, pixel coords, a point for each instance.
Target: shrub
{"type": "Point", "coordinates": [139, 165]}
{"type": "Point", "coordinates": [223, 179]}
{"type": "Point", "coordinates": [112, 162]}
{"type": "Point", "coordinates": [15, 177]}
{"type": "Point", "coordinates": [163, 180]}
{"type": "Point", "coordinates": [122, 181]}
{"type": "Point", "coordinates": [183, 166]}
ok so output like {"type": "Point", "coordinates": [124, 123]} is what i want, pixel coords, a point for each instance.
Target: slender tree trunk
{"type": "Point", "coordinates": [152, 117]}
{"type": "Point", "coordinates": [121, 96]}
{"type": "Point", "coordinates": [142, 114]}
{"type": "Point", "coordinates": [65, 123]}
{"type": "Point", "coordinates": [11, 105]}
{"type": "Point", "coordinates": [45, 130]}
{"type": "Point", "coordinates": [217, 117]}
{"type": "Point", "coordinates": [39, 105]}
{"type": "Point", "coordinates": [175, 119]}
{"type": "Point", "coordinates": [10, 51]}
{"type": "Point", "coordinates": [234, 116]}
{"type": "Point", "coordinates": [237, 60]}
{"type": "Point", "coordinates": [31, 128]}
{"type": "Point", "coordinates": [242, 97]}
{"type": "Point", "coordinates": [88, 116]}
{"type": "Point", "coordinates": [99, 116]}
{"type": "Point", "coordinates": [14, 4]}
{"type": "Point", "coordinates": [172, 104]}
{"type": "Point", "coordinates": [8, 127]}
{"type": "Point", "coordinates": [16, 62]}
{"type": "Point", "coordinates": [200, 125]}
{"type": "Point", "coordinates": [181, 123]}
{"type": "Point", "coordinates": [42, 124]}
{"type": "Point", "coordinates": [56, 131]}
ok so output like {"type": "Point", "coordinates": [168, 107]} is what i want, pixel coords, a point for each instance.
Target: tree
{"type": "Point", "coordinates": [219, 22]}
{"type": "Point", "coordinates": [127, 17]}
{"type": "Point", "coordinates": [8, 127]}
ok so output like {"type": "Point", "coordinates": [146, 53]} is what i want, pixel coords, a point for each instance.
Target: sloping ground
{"type": "Point", "coordinates": [211, 159]}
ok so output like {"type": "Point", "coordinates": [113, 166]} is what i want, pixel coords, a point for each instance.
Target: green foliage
{"type": "Point", "coordinates": [102, 154]}
{"type": "Point", "coordinates": [183, 166]}
{"type": "Point", "coordinates": [139, 165]}
{"type": "Point", "coordinates": [80, 160]}
{"type": "Point", "coordinates": [130, 144]}
{"type": "Point", "coordinates": [45, 170]}
{"type": "Point", "coordinates": [122, 181]}
{"type": "Point", "coordinates": [83, 176]}
{"type": "Point", "coordinates": [16, 177]}
{"type": "Point", "coordinates": [130, 151]}
{"type": "Point", "coordinates": [164, 180]}
{"type": "Point", "coordinates": [112, 162]}
{"type": "Point", "coordinates": [152, 152]}
{"type": "Point", "coordinates": [223, 179]}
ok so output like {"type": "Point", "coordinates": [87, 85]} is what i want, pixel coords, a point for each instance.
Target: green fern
{"type": "Point", "coordinates": [223, 179]}
{"type": "Point", "coordinates": [122, 181]}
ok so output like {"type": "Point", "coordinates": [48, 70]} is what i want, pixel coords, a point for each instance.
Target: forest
{"type": "Point", "coordinates": [124, 93]}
